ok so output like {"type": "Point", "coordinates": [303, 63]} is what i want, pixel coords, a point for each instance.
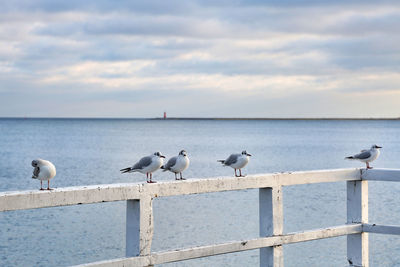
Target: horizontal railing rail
{"type": "Point", "coordinates": [230, 247]}
{"type": "Point", "coordinates": [381, 229]}
{"type": "Point", "coordinates": [139, 213]}
{"type": "Point", "coordinates": [383, 175]}
{"type": "Point", "coordinates": [77, 195]}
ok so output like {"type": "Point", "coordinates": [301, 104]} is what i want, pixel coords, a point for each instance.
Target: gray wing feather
{"type": "Point", "coordinates": [143, 162]}
{"type": "Point", "coordinates": [363, 155]}
{"type": "Point", "coordinates": [170, 163]}
{"type": "Point", "coordinates": [36, 172]}
{"type": "Point", "coordinates": [231, 159]}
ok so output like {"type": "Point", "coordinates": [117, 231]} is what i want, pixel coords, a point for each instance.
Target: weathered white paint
{"type": "Point", "coordinates": [389, 175]}
{"type": "Point", "coordinates": [132, 228]}
{"type": "Point", "coordinates": [381, 229]}
{"type": "Point", "coordinates": [191, 253]}
{"type": "Point", "coordinates": [357, 212]}
{"type": "Point", "coordinates": [33, 199]}
{"type": "Point", "coordinates": [139, 229]}
{"type": "Point", "coordinates": [230, 247]}
{"type": "Point", "coordinates": [146, 225]}
{"type": "Point", "coordinates": [116, 192]}
{"type": "Point", "coordinates": [198, 186]}
{"type": "Point", "coordinates": [121, 262]}
{"type": "Point", "coordinates": [271, 224]}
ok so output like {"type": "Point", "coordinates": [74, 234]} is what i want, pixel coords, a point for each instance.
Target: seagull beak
{"type": "Point", "coordinates": [248, 154]}
{"type": "Point", "coordinates": [378, 146]}
{"type": "Point", "coordinates": [161, 156]}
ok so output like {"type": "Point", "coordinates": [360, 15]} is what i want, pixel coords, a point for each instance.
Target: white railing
{"type": "Point", "coordinates": [139, 213]}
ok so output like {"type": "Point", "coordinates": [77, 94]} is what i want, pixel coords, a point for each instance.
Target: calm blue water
{"type": "Point", "coordinates": [89, 151]}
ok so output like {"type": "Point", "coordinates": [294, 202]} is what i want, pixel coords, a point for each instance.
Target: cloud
{"type": "Point", "coordinates": [204, 55]}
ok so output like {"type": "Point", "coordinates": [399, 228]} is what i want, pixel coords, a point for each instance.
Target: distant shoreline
{"type": "Point", "coordinates": [277, 119]}
{"type": "Point", "coordinates": [201, 119]}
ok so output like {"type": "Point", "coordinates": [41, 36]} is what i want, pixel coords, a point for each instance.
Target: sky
{"type": "Point", "coordinates": [195, 58]}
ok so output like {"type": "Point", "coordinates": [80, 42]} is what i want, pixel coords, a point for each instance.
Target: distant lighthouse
{"type": "Point", "coordinates": [165, 115]}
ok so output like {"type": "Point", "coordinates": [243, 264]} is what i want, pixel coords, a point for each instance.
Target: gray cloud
{"type": "Point", "coordinates": [87, 54]}
{"type": "Point", "coordinates": [105, 6]}
{"type": "Point", "coordinates": [170, 7]}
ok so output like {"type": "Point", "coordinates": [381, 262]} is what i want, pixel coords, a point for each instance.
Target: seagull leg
{"type": "Point", "coordinates": [151, 177]}
{"type": "Point", "coordinates": [368, 167]}
{"type": "Point", "coordinates": [176, 178]}
{"type": "Point", "coordinates": [147, 177]}
{"type": "Point", "coordinates": [41, 185]}
{"type": "Point", "coordinates": [236, 173]}
{"type": "Point", "coordinates": [240, 171]}
{"type": "Point", "coordinates": [48, 185]}
{"type": "Point", "coordinates": [181, 176]}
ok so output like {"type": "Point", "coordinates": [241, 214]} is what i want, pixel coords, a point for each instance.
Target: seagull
{"type": "Point", "coordinates": [237, 161]}
{"type": "Point", "coordinates": [147, 165]}
{"type": "Point", "coordinates": [177, 164]}
{"type": "Point", "coordinates": [367, 155]}
{"type": "Point", "coordinates": [43, 170]}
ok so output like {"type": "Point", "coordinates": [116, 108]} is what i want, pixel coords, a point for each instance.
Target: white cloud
{"type": "Point", "coordinates": [107, 54]}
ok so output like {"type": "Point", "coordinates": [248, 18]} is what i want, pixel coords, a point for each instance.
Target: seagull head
{"type": "Point", "coordinates": [183, 153]}
{"type": "Point", "coordinates": [375, 147]}
{"type": "Point", "coordinates": [158, 154]}
{"type": "Point", "coordinates": [36, 162]}
{"type": "Point", "coordinates": [244, 152]}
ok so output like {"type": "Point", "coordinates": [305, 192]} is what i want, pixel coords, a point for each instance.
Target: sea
{"type": "Point", "coordinates": [92, 151]}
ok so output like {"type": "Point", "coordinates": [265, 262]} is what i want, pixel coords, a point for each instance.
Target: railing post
{"type": "Point", "coordinates": [271, 223]}
{"type": "Point", "coordinates": [139, 227]}
{"type": "Point", "coordinates": [357, 212]}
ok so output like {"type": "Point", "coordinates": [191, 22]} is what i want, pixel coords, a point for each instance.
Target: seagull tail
{"type": "Point", "coordinates": [126, 170]}
{"type": "Point", "coordinates": [351, 157]}
{"type": "Point", "coordinates": [222, 161]}
{"type": "Point", "coordinates": [163, 168]}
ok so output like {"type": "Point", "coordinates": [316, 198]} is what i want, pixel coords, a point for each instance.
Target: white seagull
{"type": "Point", "coordinates": [147, 165]}
{"type": "Point", "coordinates": [237, 161]}
{"type": "Point", "coordinates": [177, 164]}
{"type": "Point", "coordinates": [367, 155]}
{"type": "Point", "coordinates": [43, 170]}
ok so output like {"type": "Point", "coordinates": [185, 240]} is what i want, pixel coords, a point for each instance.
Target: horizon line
{"type": "Point", "coordinates": [211, 118]}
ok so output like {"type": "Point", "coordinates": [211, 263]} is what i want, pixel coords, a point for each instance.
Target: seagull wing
{"type": "Point", "coordinates": [363, 155]}
{"type": "Point", "coordinates": [143, 163]}
{"type": "Point", "coordinates": [170, 163]}
{"type": "Point", "coordinates": [232, 159]}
